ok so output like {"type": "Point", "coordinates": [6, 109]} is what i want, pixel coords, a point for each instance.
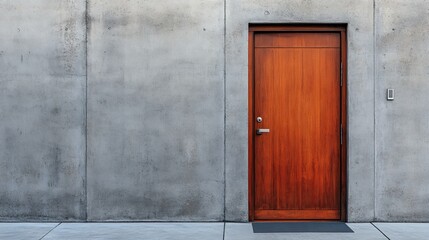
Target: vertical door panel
{"type": "Point", "coordinates": [321, 118]}
{"type": "Point", "coordinates": [277, 71]}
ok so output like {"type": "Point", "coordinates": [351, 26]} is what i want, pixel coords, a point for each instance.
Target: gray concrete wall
{"type": "Point", "coordinates": [166, 134]}
{"type": "Point", "coordinates": [42, 109]}
{"type": "Point", "coordinates": [402, 136]}
{"type": "Point", "coordinates": [155, 110]}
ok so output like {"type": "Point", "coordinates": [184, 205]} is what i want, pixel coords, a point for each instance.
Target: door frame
{"type": "Point", "coordinates": [337, 28]}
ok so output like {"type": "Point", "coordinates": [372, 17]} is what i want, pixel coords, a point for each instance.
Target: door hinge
{"type": "Point", "coordinates": [341, 74]}
{"type": "Point", "coordinates": [341, 134]}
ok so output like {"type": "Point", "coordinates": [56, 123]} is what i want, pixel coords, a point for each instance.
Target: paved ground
{"type": "Point", "coordinates": [206, 231]}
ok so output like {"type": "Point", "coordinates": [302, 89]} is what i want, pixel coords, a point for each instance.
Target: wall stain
{"type": "Point", "coordinates": [56, 110]}
{"type": "Point", "coordinates": [55, 157]}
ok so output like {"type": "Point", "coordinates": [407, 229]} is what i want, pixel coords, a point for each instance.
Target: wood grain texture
{"type": "Point", "coordinates": [251, 191]}
{"type": "Point", "coordinates": [297, 166]}
{"type": "Point", "coordinates": [344, 124]}
{"type": "Point", "coordinates": [310, 40]}
{"type": "Point", "coordinates": [257, 27]}
{"type": "Point", "coordinates": [297, 214]}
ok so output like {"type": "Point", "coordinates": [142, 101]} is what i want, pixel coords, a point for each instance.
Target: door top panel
{"type": "Point", "coordinates": [298, 40]}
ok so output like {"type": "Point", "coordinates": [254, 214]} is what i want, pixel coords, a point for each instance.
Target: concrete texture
{"type": "Point", "coordinates": [160, 231]}
{"type": "Point", "coordinates": [402, 136]}
{"type": "Point", "coordinates": [209, 231]}
{"type": "Point", "coordinates": [359, 17]}
{"type": "Point", "coordinates": [42, 109]}
{"type": "Point", "coordinates": [244, 231]}
{"type": "Point", "coordinates": [404, 231]}
{"type": "Point", "coordinates": [25, 231]}
{"type": "Point", "coordinates": [155, 110]}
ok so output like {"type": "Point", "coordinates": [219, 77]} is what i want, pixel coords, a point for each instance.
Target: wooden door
{"type": "Point", "coordinates": [297, 126]}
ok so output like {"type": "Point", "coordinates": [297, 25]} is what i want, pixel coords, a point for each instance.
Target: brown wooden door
{"type": "Point", "coordinates": [297, 93]}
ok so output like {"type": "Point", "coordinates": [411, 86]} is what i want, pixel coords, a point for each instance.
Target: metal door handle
{"type": "Point", "coordinates": [262, 130]}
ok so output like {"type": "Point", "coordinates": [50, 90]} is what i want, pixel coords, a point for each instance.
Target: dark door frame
{"type": "Point", "coordinates": [339, 28]}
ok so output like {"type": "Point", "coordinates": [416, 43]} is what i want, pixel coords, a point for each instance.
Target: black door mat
{"type": "Point", "coordinates": [300, 227]}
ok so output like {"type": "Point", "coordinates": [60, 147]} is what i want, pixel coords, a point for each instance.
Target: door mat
{"type": "Point", "coordinates": [300, 227]}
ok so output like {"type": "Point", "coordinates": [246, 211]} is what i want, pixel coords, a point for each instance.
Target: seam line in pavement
{"type": "Point", "coordinates": [224, 226]}
{"type": "Point", "coordinates": [380, 231]}
{"type": "Point", "coordinates": [50, 231]}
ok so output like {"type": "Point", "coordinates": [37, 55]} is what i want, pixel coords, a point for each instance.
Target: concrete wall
{"type": "Point", "coordinates": [147, 120]}
{"type": "Point", "coordinates": [155, 110]}
{"type": "Point", "coordinates": [42, 109]}
{"type": "Point", "coordinates": [402, 136]}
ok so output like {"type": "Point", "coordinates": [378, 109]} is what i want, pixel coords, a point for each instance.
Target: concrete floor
{"type": "Point", "coordinates": [207, 231]}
